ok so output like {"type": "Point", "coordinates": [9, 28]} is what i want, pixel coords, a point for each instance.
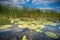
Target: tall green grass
{"type": "Point", "coordinates": [8, 12]}
{"type": "Point", "coordinates": [15, 12]}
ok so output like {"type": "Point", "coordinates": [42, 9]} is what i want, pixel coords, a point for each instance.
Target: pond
{"type": "Point", "coordinates": [30, 30]}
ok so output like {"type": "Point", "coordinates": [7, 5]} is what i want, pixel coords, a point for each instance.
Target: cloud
{"type": "Point", "coordinates": [13, 1]}
{"type": "Point", "coordinates": [19, 6]}
{"type": "Point", "coordinates": [34, 3]}
{"type": "Point", "coordinates": [44, 2]}
{"type": "Point", "coordinates": [46, 8]}
{"type": "Point", "coordinates": [27, 0]}
{"type": "Point", "coordinates": [58, 7]}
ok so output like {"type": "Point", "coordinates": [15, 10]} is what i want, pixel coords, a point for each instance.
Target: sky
{"type": "Point", "coordinates": [41, 4]}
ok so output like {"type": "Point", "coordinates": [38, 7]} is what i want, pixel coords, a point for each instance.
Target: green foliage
{"type": "Point", "coordinates": [4, 21]}
{"type": "Point", "coordinates": [15, 12]}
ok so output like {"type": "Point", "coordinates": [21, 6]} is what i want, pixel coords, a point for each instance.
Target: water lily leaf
{"type": "Point", "coordinates": [24, 38]}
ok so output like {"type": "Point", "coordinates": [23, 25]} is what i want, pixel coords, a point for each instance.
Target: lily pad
{"type": "Point", "coordinates": [51, 34]}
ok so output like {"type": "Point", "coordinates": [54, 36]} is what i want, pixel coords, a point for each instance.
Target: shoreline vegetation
{"type": "Point", "coordinates": [9, 15]}
{"type": "Point", "coordinates": [7, 11]}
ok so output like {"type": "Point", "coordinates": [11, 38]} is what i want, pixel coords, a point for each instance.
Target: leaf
{"type": "Point", "coordinates": [24, 38]}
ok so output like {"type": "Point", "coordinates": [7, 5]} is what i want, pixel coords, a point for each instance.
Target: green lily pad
{"type": "Point", "coordinates": [24, 38]}
{"type": "Point", "coordinates": [51, 34]}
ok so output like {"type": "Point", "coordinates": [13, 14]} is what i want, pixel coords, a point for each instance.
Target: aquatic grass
{"type": "Point", "coordinates": [24, 24]}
